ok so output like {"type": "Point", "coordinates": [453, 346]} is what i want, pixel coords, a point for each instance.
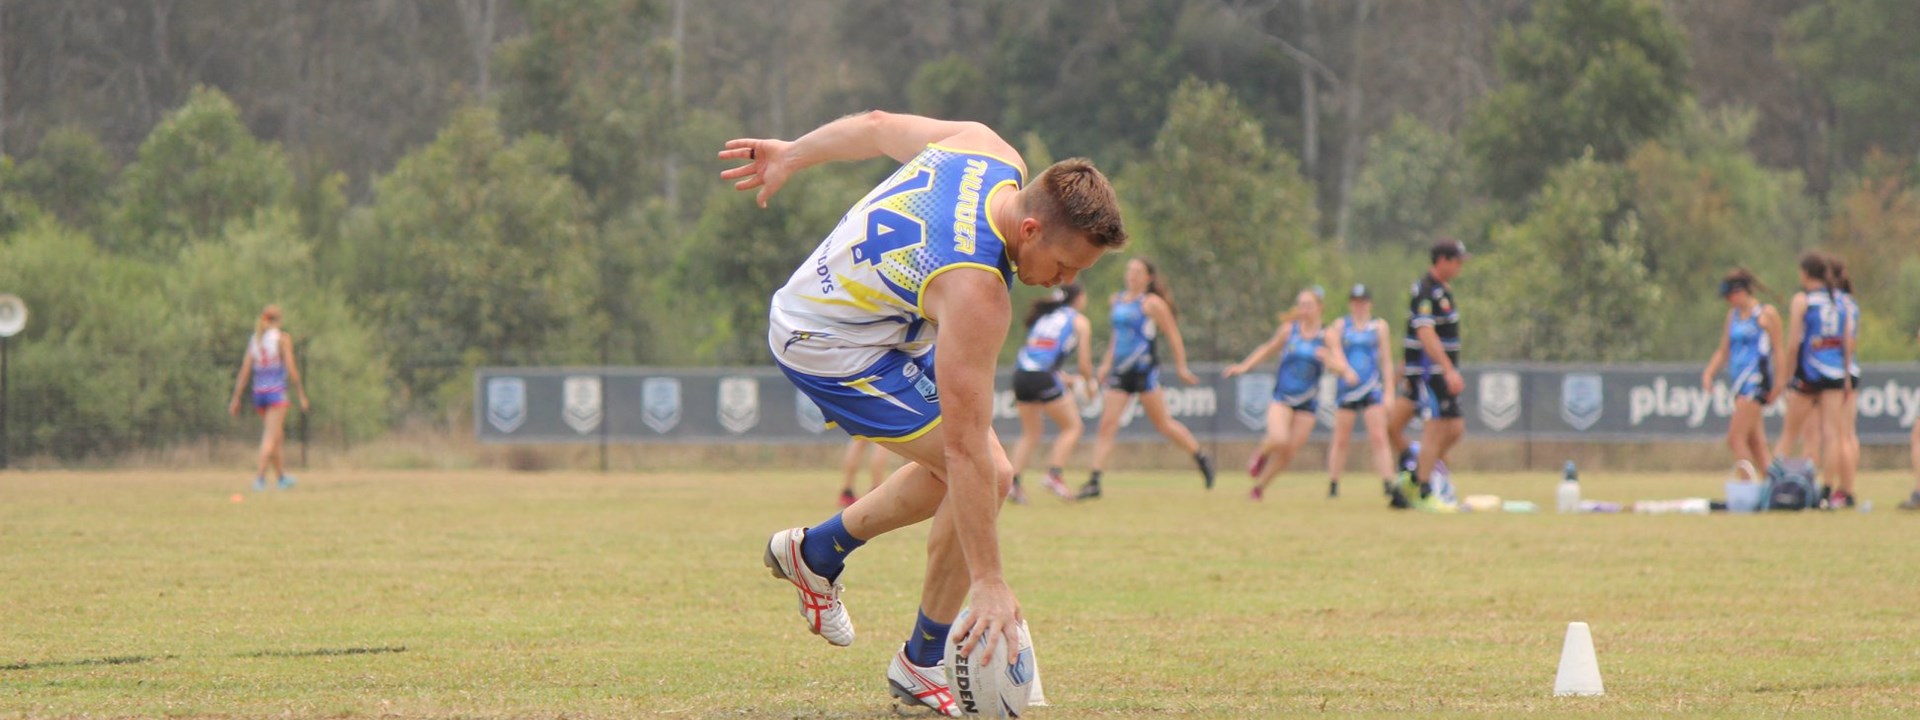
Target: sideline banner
{"type": "Point", "coordinates": [1602, 403]}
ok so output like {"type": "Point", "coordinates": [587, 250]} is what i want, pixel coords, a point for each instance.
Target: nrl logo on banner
{"type": "Point", "coordinates": [582, 409]}
{"type": "Point", "coordinates": [811, 419]}
{"type": "Point", "coordinates": [506, 403]}
{"type": "Point", "coordinates": [660, 403]}
{"type": "Point", "coordinates": [739, 404]}
{"type": "Point", "coordinates": [1252, 394]}
{"type": "Point", "coordinates": [1581, 400]}
{"type": "Point", "coordinates": [1499, 399]}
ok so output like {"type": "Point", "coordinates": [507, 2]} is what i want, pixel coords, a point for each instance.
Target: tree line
{"type": "Point", "coordinates": [435, 186]}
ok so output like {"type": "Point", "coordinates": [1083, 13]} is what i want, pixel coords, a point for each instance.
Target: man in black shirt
{"type": "Point", "coordinates": [1432, 384]}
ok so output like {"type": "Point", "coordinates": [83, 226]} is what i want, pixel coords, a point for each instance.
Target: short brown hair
{"type": "Point", "coordinates": [1075, 194]}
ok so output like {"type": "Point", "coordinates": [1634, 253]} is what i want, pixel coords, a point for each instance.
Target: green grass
{"type": "Point", "coordinates": [493, 594]}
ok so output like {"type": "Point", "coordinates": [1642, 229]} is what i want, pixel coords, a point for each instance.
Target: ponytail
{"type": "Point", "coordinates": [1062, 296]}
{"type": "Point", "coordinates": [1818, 266]}
{"type": "Point", "coordinates": [1157, 285]}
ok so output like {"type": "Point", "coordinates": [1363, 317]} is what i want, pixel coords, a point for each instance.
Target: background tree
{"type": "Point", "coordinates": [1226, 218]}
{"type": "Point", "coordinates": [1599, 75]}
{"type": "Point", "coordinates": [474, 251]}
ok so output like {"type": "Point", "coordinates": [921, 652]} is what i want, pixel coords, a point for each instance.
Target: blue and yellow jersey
{"type": "Point", "coordinates": [1049, 341]}
{"type": "Point", "coordinates": [860, 291]}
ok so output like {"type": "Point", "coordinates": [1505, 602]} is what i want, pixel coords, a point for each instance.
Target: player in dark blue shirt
{"type": "Point", "coordinates": [1431, 382]}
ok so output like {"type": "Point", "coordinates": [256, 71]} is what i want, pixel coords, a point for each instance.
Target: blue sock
{"type": "Point", "coordinates": [928, 645]}
{"type": "Point", "coordinates": [826, 546]}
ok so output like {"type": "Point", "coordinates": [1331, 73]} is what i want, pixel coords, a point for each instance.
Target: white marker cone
{"type": "Point", "coordinates": [1579, 667]}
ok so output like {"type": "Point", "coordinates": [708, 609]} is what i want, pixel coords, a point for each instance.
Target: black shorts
{"type": "Point", "coordinates": [1136, 381]}
{"type": "Point", "coordinates": [1815, 386]}
{"type": "Point", "coordinates": [1036, 386]}
{"type": "Point", "coordinates": [1366, 401]}
{"type": "Point", "coordinates": [1429, 394]}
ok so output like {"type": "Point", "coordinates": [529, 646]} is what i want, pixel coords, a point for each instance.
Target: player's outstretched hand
{"type": "Point", "coordinates": [1455, 383]}
{"type": "Point", "coordinates": [993, 611]}
{"type": "Point", "coordinates": [768, 166]}
{"type": "Point", "coordinates": [1187, 376]}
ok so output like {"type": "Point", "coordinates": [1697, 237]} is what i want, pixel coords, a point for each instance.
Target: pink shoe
{"type": "Point", "coordinates": [1257, 493]}
{"type": "Point", "coordinates": [1256, 464]}
{"type": "Point", "coordinates": [1058, 487]}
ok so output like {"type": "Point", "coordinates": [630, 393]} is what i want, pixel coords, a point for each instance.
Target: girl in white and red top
{"type": "Point", "coordinates": [269, 361]}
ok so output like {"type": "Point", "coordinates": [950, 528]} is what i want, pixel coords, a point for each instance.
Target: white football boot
{"type": "Point", "coordinates": [819, 598]}
{"type": "Point", "coordinates": [920, 687]}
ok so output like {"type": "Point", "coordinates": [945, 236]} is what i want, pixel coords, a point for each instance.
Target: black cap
{"type": "Point", "coordinates": [1360, 292]}
{"type": "Point", "coordinates": [1447, 247]}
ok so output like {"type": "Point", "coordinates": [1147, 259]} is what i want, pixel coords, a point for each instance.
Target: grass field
{"type": "Point", "coordinates": [579, 595]}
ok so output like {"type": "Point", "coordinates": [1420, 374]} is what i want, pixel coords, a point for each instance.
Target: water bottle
{"type": "Point", "coordinates": [1569, 496]}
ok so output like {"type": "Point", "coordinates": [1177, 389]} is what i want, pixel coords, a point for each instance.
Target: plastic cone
{"type": "Point", "coordinates": [1579, 667]}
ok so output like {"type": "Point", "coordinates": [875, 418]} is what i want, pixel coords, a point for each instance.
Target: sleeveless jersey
{"type": "Point", "coordinates": [1049, 341]}
{"type": "Point", "coordinates": [1299, 376]}
{"type": "Point", "coordinates": [269, 368]}
{"type": "Point", "coordinates": [1361, 347]}
{"type": "Point", "coordinates": [1822, 351]}
{"type": "Point", "coordinates": [1134, 336]}
{"type": "Point", "coordinates": [1749, 348]}
{"type": "Point", "coordinates": [857, 296]}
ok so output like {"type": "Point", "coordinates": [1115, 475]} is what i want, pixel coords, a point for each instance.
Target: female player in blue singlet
{"type": "Point", "coordinates": [1132, 369]}
{"type": "Point", "coordinates": [1819, 365]}
{"type": "Point", "coordinates": [1056, 328]}
{"type": "Point", "coordinates": [1849, 443]}
{"type": "Point", "coordinates": [1746, 351]}
{"type": "Point", "coordinates": [1300, 341]}
{"type": "Point", "coordinates": [269, 360]}
{"type": "Point", "coordinates": [1360, 348]}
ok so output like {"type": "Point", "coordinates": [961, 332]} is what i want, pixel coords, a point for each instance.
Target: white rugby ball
{"type": "Point", "coordinates": [996, 688]}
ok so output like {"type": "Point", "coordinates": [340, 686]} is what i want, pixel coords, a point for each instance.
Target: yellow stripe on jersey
{"type": "Point", "coordinates": [1015, 163]}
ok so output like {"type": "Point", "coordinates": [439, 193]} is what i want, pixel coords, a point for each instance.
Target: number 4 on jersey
{"type": "Point", "coordinates": [889, 229]}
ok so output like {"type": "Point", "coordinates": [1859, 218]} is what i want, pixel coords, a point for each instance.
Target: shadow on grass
{"type": "Point", "coordinates": [326, 652]}
{"type": "Point", "coordinates": [115, 660]}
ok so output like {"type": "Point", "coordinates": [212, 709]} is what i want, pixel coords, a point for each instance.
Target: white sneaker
{"type": "Point", "coordinates": [819, 599]}
{"type": "Point", "coordinates": [920, 687]}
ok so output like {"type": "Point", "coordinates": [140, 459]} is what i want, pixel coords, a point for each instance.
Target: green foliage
{"type": "Point", "coordinates": [1226, 218]}
{"type": "Point", "coordinates": [69, 176]}
{"type": "Point", "coordinates": [1861, 55]}
{"type": "Point", "coordinates": [217, 288]}
{"type": "Point", "coordinates": [125, 352]}
{"type": "Point", "coordinates": [715, 312]}
{"type": "Point", "coordinates": [476, 244]}
{"type": "Point", "coordinates": [952, 88]}
{"type": "Point", "coordinates": [1570, 281]}
{"type": "Point", "coordinates": [1413, 187]}
{"type": "Point", "coordinates": [1094, 94]}
{"type": "Point", "coordinates": [200, 169]}
{"type": "Point", "coordinates": [1598, 76]}
{"type": "Point", "coordinates": [1704, 206]}
{"type": "Point", "coordinates": [1876, 229]}
{"type": "Point", "coordinates": [591, 74]}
